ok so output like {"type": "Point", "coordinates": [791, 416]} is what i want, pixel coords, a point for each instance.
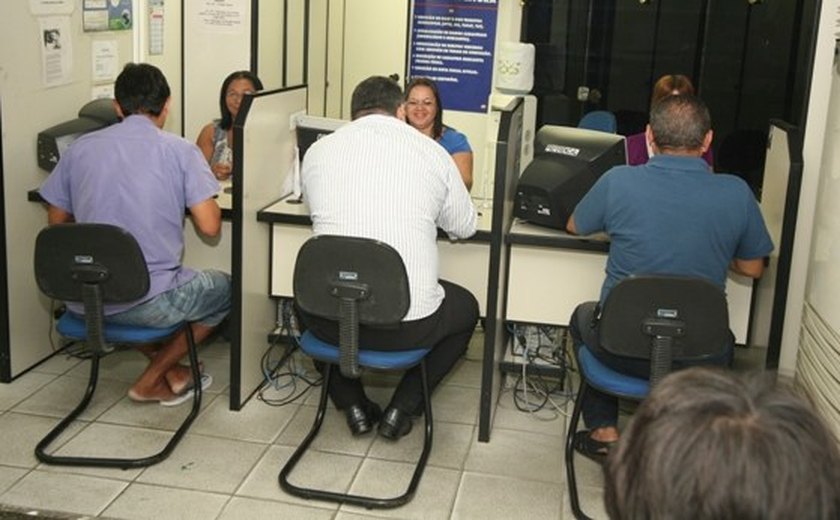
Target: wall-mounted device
{"type": "Point", "coordinates": [53, 141]}
{"type": "Point", "coordinates": [567, 162]}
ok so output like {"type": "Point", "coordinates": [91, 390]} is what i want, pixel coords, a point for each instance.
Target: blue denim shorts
{"type": "Point", "coordinates": [204, 300]}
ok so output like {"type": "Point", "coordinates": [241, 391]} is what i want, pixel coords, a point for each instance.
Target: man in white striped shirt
{"type": "Point", "coordinates": [378, 177]}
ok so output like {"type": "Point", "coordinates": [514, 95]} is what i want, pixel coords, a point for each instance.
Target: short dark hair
{"type": "Point", "coordinates": [376, 94]}
{"type": "Point", "coordinates": [707, 444]}
{"type": "Point", "coordinates": [680, 122]}
{"type": "Point", "coordinates": [227, 118]}
{"type": "Point", "coordinates": [141, 89]}
{"type": "Point", "coordinates": [437, 126]}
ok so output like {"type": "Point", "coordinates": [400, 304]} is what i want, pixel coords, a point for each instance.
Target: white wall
{"type": "Point", "coordinates": [270, 34]}
{"type": "Point", "coordinates": [813, 143]}
{"type": "Point", "coordinates": [318, 38]}
{"type": "Point", "coordinates": [813, 342]}
{"type": "Point", "coordinates": [169, 62]}
{"type": "Point", "coordinates": [27, 108]}
{"type": "Point", "coordinates": [210, 54]}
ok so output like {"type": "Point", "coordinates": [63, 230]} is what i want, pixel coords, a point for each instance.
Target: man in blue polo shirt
{"type": "Point", "coordinates": [672, 215]}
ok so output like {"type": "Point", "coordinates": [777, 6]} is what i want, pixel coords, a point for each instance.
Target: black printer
{"type": "Point", "coordinates": [567, 162]}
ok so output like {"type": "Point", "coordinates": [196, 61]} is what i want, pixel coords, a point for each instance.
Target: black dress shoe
{"type": "Point", "coordinates": [361, 418]}
{"type": "Point", "coordinates": [394, 424]}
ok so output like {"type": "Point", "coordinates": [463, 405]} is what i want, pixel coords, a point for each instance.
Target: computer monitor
{"type": "Point", "coordinates": [53, 141]}
{"type": "Point", "coordinates": [311, 128]}
{"type": "Point", "coordinates": [567, 162]}
{"type": "Point", "coordinates": [308, 129]}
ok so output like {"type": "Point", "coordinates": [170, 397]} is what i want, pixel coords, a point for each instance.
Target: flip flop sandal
{"type": "Point", "coordinates": [590, 448]}
{"type": "Point", "coordinates": [189, 384]}
{"type": "Point", "coordinates": [187, 395]}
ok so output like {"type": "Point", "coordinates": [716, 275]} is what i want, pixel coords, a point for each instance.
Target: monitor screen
{"type": "Point", "coordinates": [308, 129]}
{"type": "Point", "coordinates": [54, 141]}
{"type": "Point", "coordinates": [311, 128]}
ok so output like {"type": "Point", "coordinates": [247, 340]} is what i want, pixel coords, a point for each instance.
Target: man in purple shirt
{"type": "Point", "coordinates": [140, 178]}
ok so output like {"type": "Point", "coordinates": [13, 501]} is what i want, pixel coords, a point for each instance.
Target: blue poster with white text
{"type": "Point", "coordinates": [452, 43]}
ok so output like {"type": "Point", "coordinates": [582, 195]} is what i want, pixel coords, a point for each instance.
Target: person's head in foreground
{"type": "Point", "coordinates": [708, 444]}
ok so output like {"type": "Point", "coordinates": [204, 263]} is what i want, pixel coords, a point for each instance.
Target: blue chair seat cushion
{"type": "Point", "coordinates": [73, 326]}
{"type": "Point", "coordinates": [379, 359]}
{"type": "Point", "coordinates": [608, 380]}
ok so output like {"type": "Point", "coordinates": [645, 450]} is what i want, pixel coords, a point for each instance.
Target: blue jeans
{"type": "Point", "coordinates": [600, 410]}
{"type": "Point", "coordinates": [204, 300]}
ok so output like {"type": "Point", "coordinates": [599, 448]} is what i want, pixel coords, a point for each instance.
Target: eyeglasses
{"type": "Point", "coordinates": [232, 94]}
{"type": "Point", "coordinates": [420, 102]}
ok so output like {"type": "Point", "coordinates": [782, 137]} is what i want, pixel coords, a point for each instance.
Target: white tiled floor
{"type": "Point", "coordinates": [226, 467]}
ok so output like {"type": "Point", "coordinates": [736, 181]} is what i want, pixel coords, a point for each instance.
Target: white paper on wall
{"type": "Point", "coordinates": [104, 60]}
{"type": "Point", "coordinates": [222, 16]}
{"type": "Point", "coordinates": [51, 7]}
{"type": "Point", "coordinates": [56, 50]}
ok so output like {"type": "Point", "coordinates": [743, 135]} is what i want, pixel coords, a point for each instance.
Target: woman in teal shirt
{"type": "Point", "coordinates": [425, 113]}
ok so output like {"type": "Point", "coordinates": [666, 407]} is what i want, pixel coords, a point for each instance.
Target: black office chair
{"type": "Point", "coordinates": [600, 120]}
{"type": "Point", "coordinates": [97, 264]}
{"type": "Point", "coordinates": [354, 281]}
{"type": "Point", "coordinates": [658, 318]}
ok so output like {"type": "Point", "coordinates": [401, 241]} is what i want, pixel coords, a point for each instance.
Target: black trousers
{"type": "Point", "coordinates": [448, 330]}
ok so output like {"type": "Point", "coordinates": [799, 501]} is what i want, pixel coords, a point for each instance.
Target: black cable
{"type": "Point", "coordinates": [271, 370]}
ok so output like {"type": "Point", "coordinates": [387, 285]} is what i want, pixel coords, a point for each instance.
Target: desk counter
{"type": "Point", "coordinates": [552, 271]}
{"type": "Point", "coordinates": [465, 262]}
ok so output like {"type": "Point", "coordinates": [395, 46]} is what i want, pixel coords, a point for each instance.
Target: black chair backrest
{"type": "Point", "coordinates": [692, 312]}
{"type": "Point", "coordinates": [329, 267]}
{"type": "Point", "coordinates": [70, 256]}
{"type": "Point", "coordinates": [352, 281]}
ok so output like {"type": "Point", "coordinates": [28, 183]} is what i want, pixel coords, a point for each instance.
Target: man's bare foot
{"type": "Point", "coordinates": [179, 377]}
{"type": "Point", "coordinates": [149, 350]}
{"type": "Point", "coordinates": [160, 391]}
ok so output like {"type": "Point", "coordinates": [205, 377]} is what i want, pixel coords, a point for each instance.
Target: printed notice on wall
{"type": "Point", "coordinates": [102, 91]}
{"type": "Point", "coordinates": [452, 43]}
{"type": "Point", "coordinates": [51, 7]}
{"type": "Point", "coordinates": [156, 14]}
{"type": "Point", "coordinates": [104, 60]}
{"type": "Point", "coordinates": [56, 50]}
{"type": "Point", "coordinates": [107, 15]}
{"type": "Point", "coordinates": [222, 16]}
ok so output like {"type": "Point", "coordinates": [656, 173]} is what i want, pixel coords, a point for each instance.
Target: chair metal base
{"type": "Point", "coordinates": [347, 498]}
{"type": "Point", "coordinates": [571, 479]}
{"type": "Point", "coordinates": [123, 463]}
{"type": "Point", "coordinates": [629, 382]}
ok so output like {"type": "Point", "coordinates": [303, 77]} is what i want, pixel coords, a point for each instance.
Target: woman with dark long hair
{"type": "Point", "coordinates": [216, 138]}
